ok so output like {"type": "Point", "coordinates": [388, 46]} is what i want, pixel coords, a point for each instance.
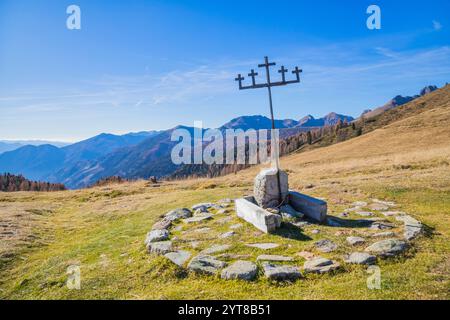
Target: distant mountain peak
{"type": "Point", "coordinates": [427, 90]}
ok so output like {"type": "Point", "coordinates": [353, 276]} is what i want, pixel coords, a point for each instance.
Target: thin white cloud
{"type": "Point", "coordinates": [437, 25]}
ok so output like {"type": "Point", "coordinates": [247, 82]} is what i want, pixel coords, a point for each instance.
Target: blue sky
{"type": "Point", "coordinates": [144, 65]}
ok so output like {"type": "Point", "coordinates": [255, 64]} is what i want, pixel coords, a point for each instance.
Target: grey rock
{"type": "Point", "coordinates": [162, 224]}
{"type": "Point", "coordinates": [266, 190]}
{"type": "Point", "coordinates": [354, 241]}
{"type": "Point", "coordinates": [315, 231]}
{"type": "Point", "coordinates": [387, 248]}
{"type": "Point", "coordinates": [257, 216]}
{"type": "Point", "coordinates": [281, 272]}
{"type": "Point", "coordinates": [157, 235]}
{"type": "Point", "coordinates": [227, 234]}
{"type": "Point", "coordinates": [380, 225]}
{"type": "Point", "coordinates": [180, 213]}
{"type": "Point", "coordinates": [393, 213]}
{"type": "Point", "coordinates": [385, 203]}
{"type": "Point", "coordinates": [360, 258]}
{"type": "Point", "coordinates": [236, 226]}
{"type": "Point", "coordinates": [378, 207]}
{"type": "Point", "coordinates": [325, 245]}
{"type": "Point", "coordinates": [386, 234]}
{"type": "Point", "coordinates": [263, 246]}
{"type": "Point", "coordinates": [216, 248]}
{"type": "Point", "coordinates": [206, 264]}
{"type": "Point", "coordinates": [198, 218]}
{"type": "Point", "coordinates": [161, 247]}
{"type": "Point", "coordinates": [243, 270]}
{"type": "Point", "coordinates": [178, 257]}
{"type": "Point", "coordinates": [301, 224]}
{"type": "Point", "coordinates": [411, 232]}
{"type": "Point", "coordinates": [359, 204]}
{"type": "Point", "coordinates": [364, 213]}
{"type": "Point", "coordinates": [409, 221]}
{"type": "Point", "coordinates": [320, 265]}
{"type": "Point", "coordinates": [268, 257]}
{"type": "Point", "coordinates": [205, 206]}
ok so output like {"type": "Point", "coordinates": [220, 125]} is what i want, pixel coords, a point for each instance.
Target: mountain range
{"type": "Point", "coordinates": [134, 155]}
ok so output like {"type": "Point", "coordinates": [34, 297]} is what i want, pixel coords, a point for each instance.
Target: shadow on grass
{"type": "Point", "coordinates": [290, 231]}
{"type": "Point", "coordinates": [348, 223]}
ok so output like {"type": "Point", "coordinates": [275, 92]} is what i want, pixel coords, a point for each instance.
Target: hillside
{"type": "Point", "coordinates": [102, 229]}
{"type": "Point", "coordinates": [50, 163]}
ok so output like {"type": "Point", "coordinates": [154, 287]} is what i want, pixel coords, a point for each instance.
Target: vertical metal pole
{"type": "Point", "coordinates": [280, 196]}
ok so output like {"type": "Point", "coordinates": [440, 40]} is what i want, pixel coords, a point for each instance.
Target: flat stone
{"type": "Point", "coordinates": [216, 248]}
{"type": "Point", "coordinates": [393, 213]}
{"type": "Point", "coordinates": [227, 234]}
{"type": "Point", "coordinates": [386, 234]}
{"type": "Point", "coordinates": [257, 216]}
{"type": "Point", "coordinates": [364, 213]}
{"type": "Point", "coordinates": [268, 257]}
{"type": "Point", "coordinates": [301, 224]}
{"type": "Point", "coordinates": [380, 225]}
{"type": "Point", "coordinates": [411, 232]}
{"type": "Point", "coordinates": [281, 272]}
{"type": "Point", "coordinates": [315, 231]}
{"type": "Point", "coordinates": [385, 203]}
{"type": "Point", "coordinates": [243, 270]}
{"type": "Point", "coordinates": [236, 226]}
{"type": "Point", "coordinates": [359, 204]}
{"type": "Point", "coordinates": [360, 258]}
{"type": "Point", "coordinates": [198, 218]}
{"type": "Point", "coordinates": [325, 245]}
{"type": "Point", "coordinates": [178, 257]}
{"type": "Point", "coordinates": [378, 207]}
{"type": "Point", "coordinates": [180, 213]}
{"type": "Point", "coordinates": [263, 246]}
{"type": "Point", "coordinates": [162, 224]}
{"type": "Point", "coordinates": [313, 208]}
{"type": "Point", "coordinates": [206, 264]}
{"type": "Point", "coordinates": [157, 235]}
{"type": "Point", "coordinates": [200, 212]}
{"type": "Point", "coordinates": [354, 241]}
{"type": "Point", "coordinates": [205, 206]}
{"type": "Point", "coordinates": [320, 265]}
{"type": "Point", "coordinates": [161, 247]}
{"type": "Point", "coordinates": [387, 248]}
{"type": "Point", "coordinates": [266, 190]}
{"type": "Point", "coordinates": [409, 221]}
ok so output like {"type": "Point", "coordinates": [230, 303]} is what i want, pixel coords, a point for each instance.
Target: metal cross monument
{"type": "Point", "coordinates": [269, 85]}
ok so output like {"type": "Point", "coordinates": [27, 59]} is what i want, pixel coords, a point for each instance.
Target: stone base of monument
{"type": "Point", "coordinates": [253, 209]}
{"type": "Point", "coordinates": [313, 208]}
{"type": "Point", "coordinates": [248, 209]}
